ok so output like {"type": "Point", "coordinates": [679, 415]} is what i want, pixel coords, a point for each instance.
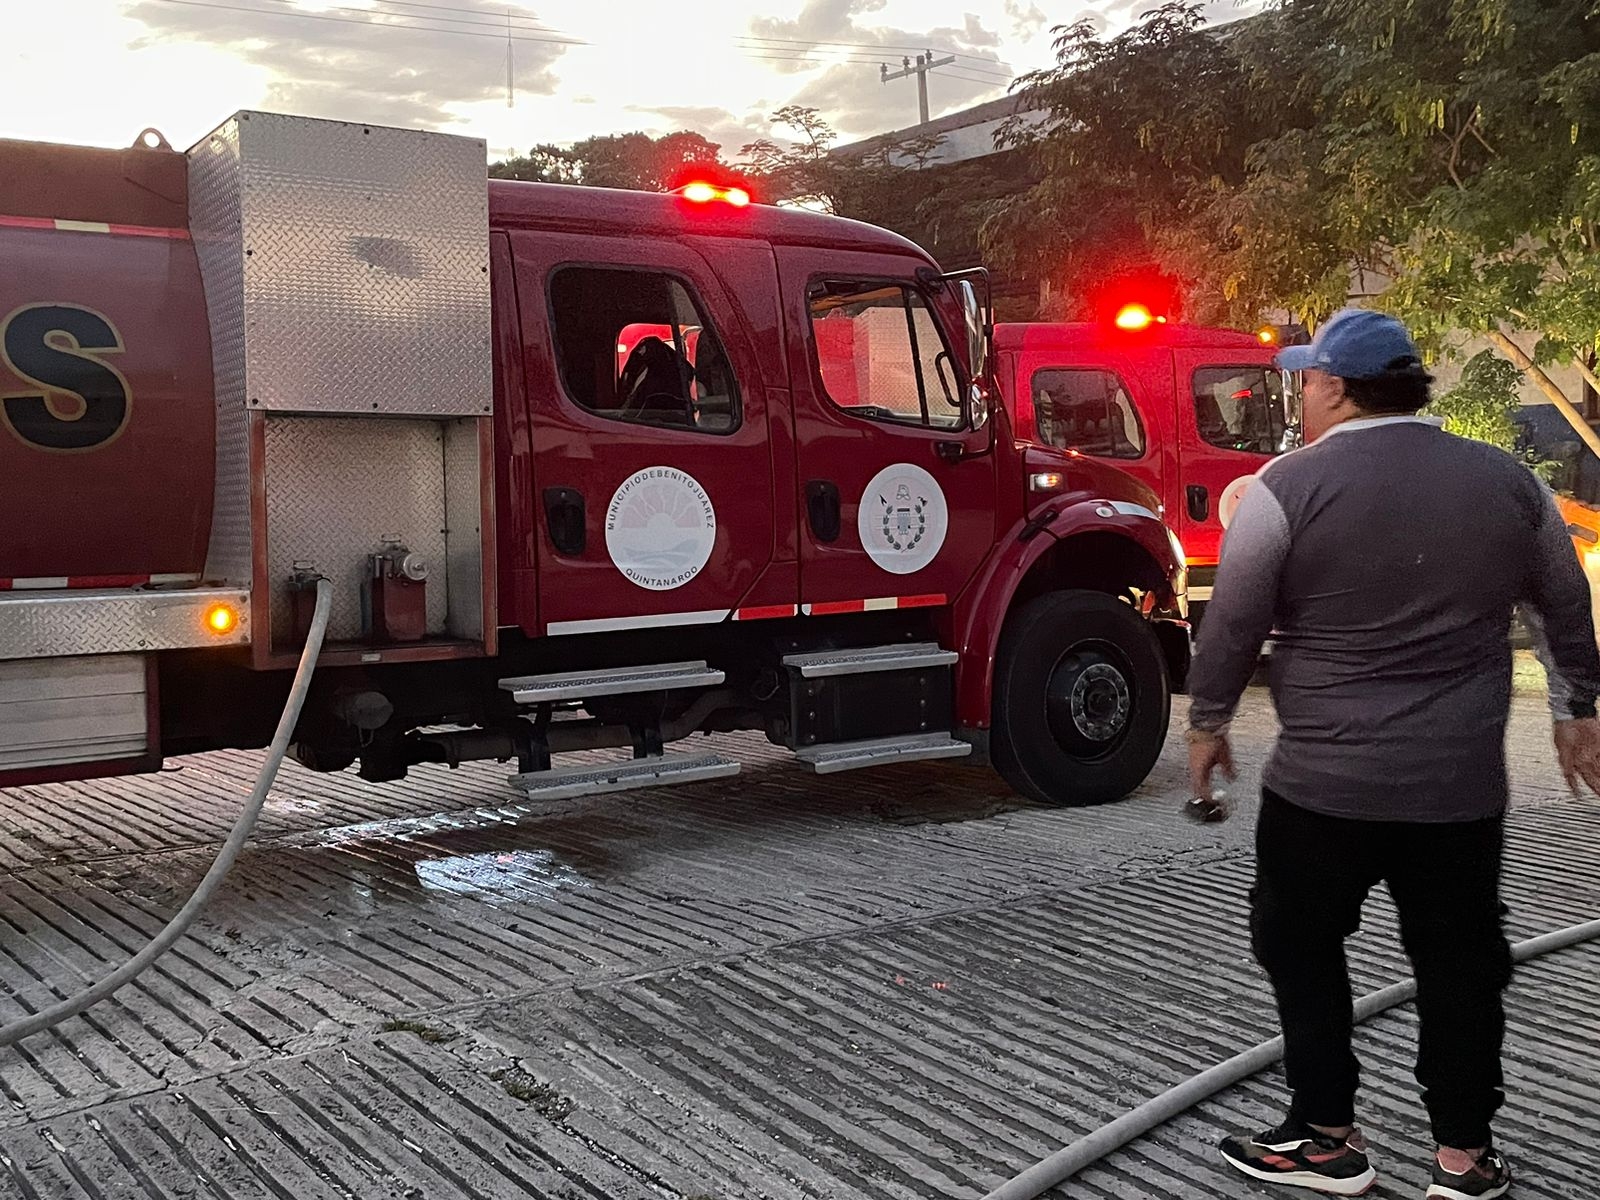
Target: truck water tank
{"type": "Point", "coordinates": [107, 415]}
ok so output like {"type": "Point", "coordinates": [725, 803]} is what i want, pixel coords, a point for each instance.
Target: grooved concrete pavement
{"type": "Point", "coordinates": [904, 983]}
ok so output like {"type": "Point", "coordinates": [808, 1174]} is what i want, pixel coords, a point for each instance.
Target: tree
{"type": "Point", "coordinates": [1456, 152]}
{"type": "Point", "coordinates": [1140, 129]}
{"type": "Point", "coordinates": [626, 160]}
{"type": "Point", "coordinates": [543, 164]}
{"type": "Point", "coordinates": [803, 171]}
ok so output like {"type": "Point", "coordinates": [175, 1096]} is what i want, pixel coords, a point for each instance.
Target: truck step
{"type": "Point", "coordinates": [564, 783]}
{"type": "Point", "coordinates": [612, 681]}
{"type": "Point", "coordinates": [864, 661]}
{"type": "Point", "coordinates": [878, 752]}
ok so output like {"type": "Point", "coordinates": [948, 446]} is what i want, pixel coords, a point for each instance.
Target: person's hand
{"type": "Point", "coordinates": [1209, 753]}
{"type": "Point", "coordinates": [1577, 750]}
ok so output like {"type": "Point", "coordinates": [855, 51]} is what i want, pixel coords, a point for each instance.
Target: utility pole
{"type": "Point", "coordinates": [925, 63]}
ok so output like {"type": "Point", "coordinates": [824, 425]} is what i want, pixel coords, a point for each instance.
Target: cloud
{"type": "Point", "coordinates": [849, 93]}
{"type": "Point", "coordinates": [1025, 22]}
{"type": "Point", "coordinates": [384, 68]}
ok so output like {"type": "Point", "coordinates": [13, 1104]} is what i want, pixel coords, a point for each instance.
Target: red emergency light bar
{"type": "Point", "coordinates": [702, 192]}
{"type": "Point", "coordinates": [1135, 317]}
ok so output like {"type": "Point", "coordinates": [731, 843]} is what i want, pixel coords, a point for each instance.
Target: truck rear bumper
{"type": "Point", "coordinates": [69, 623]}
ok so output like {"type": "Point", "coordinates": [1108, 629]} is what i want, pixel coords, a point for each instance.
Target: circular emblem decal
{"type": "Point", "coordinates": [660, 528]}
{"type": "Point", "coordinates": [902, 519]}
{"type": "Point", "coordinates": [1228, 502]}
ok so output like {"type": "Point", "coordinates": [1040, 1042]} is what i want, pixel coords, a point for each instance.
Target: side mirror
{"type": "Point", "coordinates": [977, 327]}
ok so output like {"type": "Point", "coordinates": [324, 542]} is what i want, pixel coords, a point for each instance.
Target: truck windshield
{"type": "Point", "coordinates": [1088, 411]}
{"type": "Point", "coordinates": [1242, 408]}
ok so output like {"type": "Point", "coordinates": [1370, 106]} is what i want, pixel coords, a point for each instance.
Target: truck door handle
{"type": "Point", "coordinates": [564, 516]}
{"type": "Point", "coordinates": [1199, 502]}
{"type": "Point", "coordinates": [822, 509]}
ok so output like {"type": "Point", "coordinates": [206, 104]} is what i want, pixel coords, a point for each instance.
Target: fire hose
{"type": "Point", "coordinates": [242, 828]}
{"type": "Point", "coordinates": [1091, 1148]}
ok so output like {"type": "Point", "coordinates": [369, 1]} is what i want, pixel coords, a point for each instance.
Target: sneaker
{"type": "Point", "coordinates": [1299, 1156]}
{"type": "Point", "coordinates": [1489, 1177]}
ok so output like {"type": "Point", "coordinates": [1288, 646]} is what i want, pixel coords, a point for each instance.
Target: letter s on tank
{"type": "Point", "coordinates": [73, 398]}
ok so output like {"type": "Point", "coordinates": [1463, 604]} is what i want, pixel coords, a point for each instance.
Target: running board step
{"type": "Point", "coordinates": [914, 656]}
{"type": "Point", "coordinates": [832, 757]}
{"type": "Point", "coordinates": [565, 783]}
{"type": "Point", "coordinates": [615, 681]}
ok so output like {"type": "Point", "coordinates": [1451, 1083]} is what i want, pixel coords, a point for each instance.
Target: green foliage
{"type": "Point", "coordinates": [1481, 404]}
{"type": "Point", "coordinates": [1142, 131]}
{"type": "Point", "coordinates": [1449, 152]}
{"type": "Point", "coordinates": [802, 172]}
{"type": "Point", "coordinates": [625, 160]}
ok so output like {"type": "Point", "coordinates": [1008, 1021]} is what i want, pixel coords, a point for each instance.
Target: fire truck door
{"type": "Point", "coordinates": [1231, 421]}
{"type": "Point", "coordinates": [652, 477]}
{"type": "Point", "coordinates": [1104, 404]}
{"type": "Point", "coordinates": [897, 494]}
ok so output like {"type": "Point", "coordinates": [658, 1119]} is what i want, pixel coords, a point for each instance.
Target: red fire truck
{"type": "Point", "coordinates": [586, 469]}
{"type": "Point", "coordinates": [1193, 412]}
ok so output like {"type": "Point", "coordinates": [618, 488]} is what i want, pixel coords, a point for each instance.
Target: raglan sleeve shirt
{"type": "Point", "coordinates": [1242, 609]}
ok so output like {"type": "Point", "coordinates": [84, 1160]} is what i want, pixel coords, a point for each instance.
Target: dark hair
{"type": "Point", "coordinates": [1403, 388]}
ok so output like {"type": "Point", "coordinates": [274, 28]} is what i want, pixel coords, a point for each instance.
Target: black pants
{"type": "Point", "coordinates": [1312, 874]}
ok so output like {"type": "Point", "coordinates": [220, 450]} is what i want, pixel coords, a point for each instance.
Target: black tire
{"type": "Point", "coordinates": [1081, 699]}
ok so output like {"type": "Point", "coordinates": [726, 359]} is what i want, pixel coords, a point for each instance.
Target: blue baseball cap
{"type": "Point", "coordinates": [1356, 343]}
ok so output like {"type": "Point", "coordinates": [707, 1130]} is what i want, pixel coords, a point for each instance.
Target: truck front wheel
{"type": "Point", "coordinates": [1081, 701]}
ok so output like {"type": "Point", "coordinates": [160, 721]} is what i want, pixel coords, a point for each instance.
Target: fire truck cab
{"type": "Point", "coordinates": [587, 470]}
{"type": "Point", "coordinates": [1192, 412]}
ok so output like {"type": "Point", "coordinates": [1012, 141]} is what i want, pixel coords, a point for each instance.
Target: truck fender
{"type": "Point", "coordinates": [1071, 542]}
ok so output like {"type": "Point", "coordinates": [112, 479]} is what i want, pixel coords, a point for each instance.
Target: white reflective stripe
{"type": "Point", "coordinates": [1199, 593]}
{"type": "Point", "coordinates": [880, 605]}
{"type": "Point", "coordinates": [1132, 510]}
{"type": "Point", "coordinates": [83, 226]}
{"type": "Point", "coordinates": [187, 578]}
{"type": "Point", "coordinates": [48, 581]}
{"type": "Point", "coordinates": [655, 621]}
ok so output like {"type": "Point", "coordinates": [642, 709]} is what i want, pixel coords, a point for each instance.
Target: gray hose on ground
{"type": "Point", "coordinates": [1067, 1162]}
{"type": "Point", "coordinates": [242, 828]}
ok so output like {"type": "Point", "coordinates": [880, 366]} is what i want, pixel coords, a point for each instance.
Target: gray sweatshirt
{"type": "Point", "coordinates": [1385, 560]}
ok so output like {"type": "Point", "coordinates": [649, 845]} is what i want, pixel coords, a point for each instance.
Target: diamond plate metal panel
{"type": "Point", "coordinates": [215, 193]}
{"type": "Point", "coordinates": [464, 531]}
{"type": "Point", "coordinates": [366, 268]}
{"type": "Point", "coordinates": [336, 486]}
{"type": "Point", "coordinates": [115, 621]}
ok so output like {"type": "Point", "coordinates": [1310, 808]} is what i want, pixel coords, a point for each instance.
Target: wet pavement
{"type": "Point", "coordinates": [904, 983]}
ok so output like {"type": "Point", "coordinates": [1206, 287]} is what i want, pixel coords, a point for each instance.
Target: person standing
{"type": "Point", "coordinates": [1385, 559]}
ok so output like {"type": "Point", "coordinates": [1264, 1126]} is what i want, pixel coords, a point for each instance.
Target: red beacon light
{"type": "Point", "coordinates": [702, 192]}
{"type": "Point", "coordinates": [1134, 317]}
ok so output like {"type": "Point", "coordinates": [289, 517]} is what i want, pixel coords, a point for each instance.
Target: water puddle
{"type": "Point", "coordinates": [503, 876]}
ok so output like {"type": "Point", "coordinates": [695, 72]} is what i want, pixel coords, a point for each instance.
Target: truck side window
{"type": "Point", "coordinates": [1087, 411]}
{"type": "Point", "coordinates": [1241, 408]}
{"type": "Point", "coordinates": [880, 354]}
{"type": "Point", "coordinates": [633, 346]}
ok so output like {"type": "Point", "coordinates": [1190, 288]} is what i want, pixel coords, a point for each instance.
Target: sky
{"type": "Point", "coordinates": [97, 72]}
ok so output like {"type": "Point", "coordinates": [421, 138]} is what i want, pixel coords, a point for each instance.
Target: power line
{"type": "Point", "coordinates": [380, 12]}
{"type": "Point", "coordinates": [457, 9]}
{"type": "Point", "coordinates": [955, 73]}
{"type": "Point", "coordinates": [307, 16]}
{"type": "Point", "coordinates": [854, 60]}
{"type": "Point", "coordinates": [874, 46]}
